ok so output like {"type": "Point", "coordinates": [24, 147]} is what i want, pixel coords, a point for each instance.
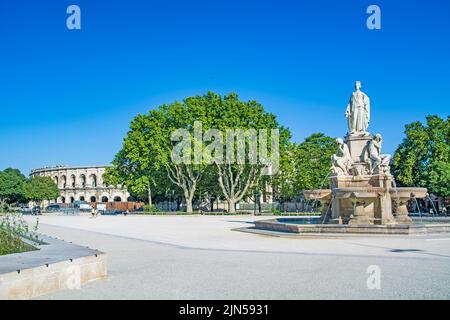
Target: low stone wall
{"type": "Point", "coordinates": [57, 265]}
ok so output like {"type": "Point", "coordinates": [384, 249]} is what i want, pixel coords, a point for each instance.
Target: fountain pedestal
{"type": "Point", "coordinates": [362, 199]}
{"type": "Point", "coordinates": [360, 216]}
{"type": "Point", "coordinates": [357, 146]}
{"type": "Point", "coordinates": [402, 212]}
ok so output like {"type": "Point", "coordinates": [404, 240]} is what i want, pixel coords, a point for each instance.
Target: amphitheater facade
{"type": "Point", "coordinates": [82, 184]}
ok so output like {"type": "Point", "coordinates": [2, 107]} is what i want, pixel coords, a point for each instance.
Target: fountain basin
{"type": "Point", "coordinates": [297, 226]}
{"type": "Point", "coordinates": [323, 194]}
{"type": "Point", "coordinates": [358, 192]}
{"type": "Point", "coordinates": [324, 197]}
{"type": "Point", "coordinates": [401, 196]}
{"type": "Point", "coordinates": [409, 193]}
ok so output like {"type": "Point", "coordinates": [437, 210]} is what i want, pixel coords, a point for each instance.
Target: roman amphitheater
{"type": "Point", "coordinates": [83, 184]}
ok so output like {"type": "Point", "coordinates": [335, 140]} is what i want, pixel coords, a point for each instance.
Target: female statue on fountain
{"type": "Point", "coordinates": [358, 112]}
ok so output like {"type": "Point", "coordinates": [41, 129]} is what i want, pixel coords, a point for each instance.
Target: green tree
{"type": "Point", "coordinates": [423, 158]}
{"type": "Point", "coordinates": [183, 121]}
{"type": "Point", "coordinates": [208, 188]}
{"type": "Point", "coordinates": [12, 186]}
{"type": "Point", "coordinates": [239, 179]}
{"type": "Point", "coordinates": [41, 188]}
{"type": "Point", "coordinates": [438, 178]}
{"type": "Point", "coordinates": [284, 183]}
{"type": "Point", "coordinates": [312, 162]}
{"type": "Point", "coordinates": [145, 160]}
{"type": "Point", "coordinates": [139, 164]}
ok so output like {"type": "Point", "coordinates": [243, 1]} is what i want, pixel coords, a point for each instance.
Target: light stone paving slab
{"type": "Point", "coordinates": [200, 257]}
{"type": "Point", "coordinates": [216, 232]}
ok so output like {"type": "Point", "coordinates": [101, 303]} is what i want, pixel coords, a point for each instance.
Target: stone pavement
{"type": "Point", "coordinates": [200, 257]}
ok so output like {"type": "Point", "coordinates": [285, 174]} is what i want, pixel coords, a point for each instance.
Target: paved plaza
{"type": "Point", "coordinates": [202, 257]}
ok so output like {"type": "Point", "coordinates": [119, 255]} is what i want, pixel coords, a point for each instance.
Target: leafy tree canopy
{"type": "Point", "coordinates": [304, 166]}
{"type": "Point", "coordinates": [423, 158]}
{"type": "Point", "coordinates": [312, 161]}
{"type": "Point", "coordinates": [144, 162]}
{"type": "Point", "coordinates": [41, 188]}
{"type": "Point", "coordinates": [12, 185]}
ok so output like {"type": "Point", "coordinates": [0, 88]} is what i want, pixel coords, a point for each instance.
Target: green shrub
{"type": "Point", "coordinates": [13, 228]}
{"type": "Point", "coordinates": [149, 209]}
{"type": "Point", "coordinates": [4, 206]}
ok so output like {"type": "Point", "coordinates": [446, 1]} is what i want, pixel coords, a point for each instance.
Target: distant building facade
{"type": "Point", "coordinates": [82, 184]}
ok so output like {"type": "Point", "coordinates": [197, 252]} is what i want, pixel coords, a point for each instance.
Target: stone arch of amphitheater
{"type": "Point", "coordinates": [82, 184]}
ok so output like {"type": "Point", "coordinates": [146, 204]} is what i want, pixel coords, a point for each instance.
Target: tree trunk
{"type": "Point", "coordinates": [189, 206]}
{"type": "Point", "coordinates": [188, 196]}
{"type": "Point", "coordinates": [231, 206]}
{"type": "Point", "coordinates": [211, 201]}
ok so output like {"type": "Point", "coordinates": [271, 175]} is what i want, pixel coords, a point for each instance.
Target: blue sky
{"type": "Point", "coordinates": [67, 97]}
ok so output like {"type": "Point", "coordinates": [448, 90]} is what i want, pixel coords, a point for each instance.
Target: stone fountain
{"type": "Point", "coordinates": [363, 197]}
{"type": "Point", "coordinates": [362, 189]}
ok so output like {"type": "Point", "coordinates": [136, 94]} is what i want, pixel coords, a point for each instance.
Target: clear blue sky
{"type": "Point", "coordinates": [67, 97]}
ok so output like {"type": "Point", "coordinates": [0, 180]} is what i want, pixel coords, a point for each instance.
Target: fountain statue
{"type": "Point", "coordinates": [358, 111]}
{"type": "Point", "coordinates": [378, 161]}
{"type": "Point", "coordinates": [362, 189]}
{"type": "Point", "coordinates": [342, 160]}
